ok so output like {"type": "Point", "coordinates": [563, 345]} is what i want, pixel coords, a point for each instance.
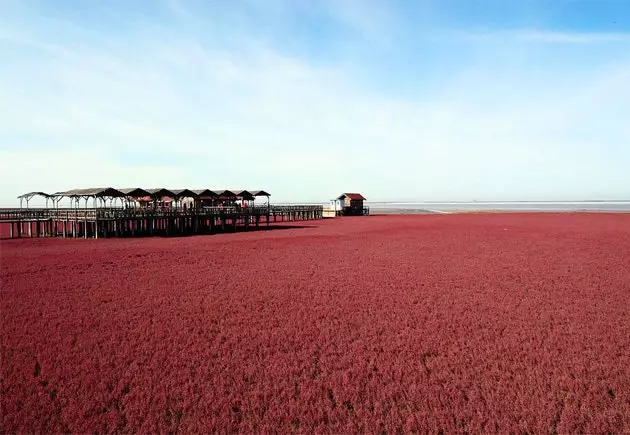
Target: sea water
{"type": "Point", "coordinates": [516, 206]}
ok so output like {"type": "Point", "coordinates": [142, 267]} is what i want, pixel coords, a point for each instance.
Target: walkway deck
{"type": "Point", "coordinates": [134, 222]}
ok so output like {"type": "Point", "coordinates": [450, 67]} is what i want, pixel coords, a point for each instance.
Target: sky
{"type": "Point", "coordinates": [423, 100]}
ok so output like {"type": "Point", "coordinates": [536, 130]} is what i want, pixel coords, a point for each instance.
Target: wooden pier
{"type": "Point", "coordinates": [104, 222]}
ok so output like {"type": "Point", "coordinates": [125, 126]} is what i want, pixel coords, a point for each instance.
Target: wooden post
{"type": "Point", "coordinates": [85, 220]}
{"type": "Point", "coordinates": [95, 218]}
{"type": "Point", "coordinates": [57, 222]}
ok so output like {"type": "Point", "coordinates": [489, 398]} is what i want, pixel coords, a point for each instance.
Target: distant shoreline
{"type": "Point", "coordinates": [402, 211]}
{"type": "Point", "coordinates": [596, 201]}
{"type": "Point", "coordinates": [498, 207]}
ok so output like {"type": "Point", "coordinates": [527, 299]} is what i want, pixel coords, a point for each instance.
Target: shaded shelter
{"type": "Point", "coordinates": [261, 193]}
{"type": "Point", "coordinates": [352, 204]}
{"type": "Point", "coordinates": [28, 196]}
{"type": "Point", "coordinates": [159, 198]}
{"type": "Point", "coordinates": [205, 197]}
{"type": "Point", "coordinates": [102, 193]}
{"type": "Point", "coordinates": [244, 198]}
{"type": "Point", "coordinates": [184, 197]}
{"type": "Point", "coordinates": [135, 195]}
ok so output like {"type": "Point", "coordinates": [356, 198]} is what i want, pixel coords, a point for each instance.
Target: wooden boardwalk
{"type": "Point", "coordinates": [134, 222]}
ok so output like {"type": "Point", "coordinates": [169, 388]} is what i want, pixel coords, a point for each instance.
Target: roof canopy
{"type": "Point", "coordinates": [135, 192]}
{"type": "Point", "coordinates": [225, 193]}
{"type": "Point", "coordinates": [259, 193]}
{"type": "Point", "coordinates": [244, 194]}
{"type": "Point", "coordinates": [352, 196]}
{"type": "Point", "coordinates": [160, 192]}
{"type": "Point", "coordinates": [99, 192]}
{"type": "Point", "coordinates": [184, 193]}
{"type": "Point", "coordinates": [205, 193]}
{"type": "Point", "coordinates": [29, 195]}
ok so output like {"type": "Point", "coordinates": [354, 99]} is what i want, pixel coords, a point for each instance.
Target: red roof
{"type": "Point", "coordinates": [353, 196]}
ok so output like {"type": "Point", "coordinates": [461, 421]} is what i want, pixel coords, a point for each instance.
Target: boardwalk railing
{"type": "Point", "coordinates": [117, 221]}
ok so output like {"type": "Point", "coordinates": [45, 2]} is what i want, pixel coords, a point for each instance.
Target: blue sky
{"type": "Point", "coordinates": [400, 100]}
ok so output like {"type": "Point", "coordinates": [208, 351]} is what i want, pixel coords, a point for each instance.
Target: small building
{"type": "Point", "coordinates": [333, 209]}
{"type": "Point", "coordinates": [352, 204]}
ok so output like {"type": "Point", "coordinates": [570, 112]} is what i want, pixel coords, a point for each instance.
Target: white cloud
{"type": "Point", "coordinates": [57, 169]}
{"type": "Point", "coordinates": [177, 112]}
{"type": "Point", "coordinates": [375, 20]}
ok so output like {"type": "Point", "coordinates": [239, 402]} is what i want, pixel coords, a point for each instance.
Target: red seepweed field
{"type": "Point", "coordinates": [452, 323]}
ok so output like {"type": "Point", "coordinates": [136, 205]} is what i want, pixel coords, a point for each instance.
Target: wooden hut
{"type": "Point", "coordinates": [352, 204]}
